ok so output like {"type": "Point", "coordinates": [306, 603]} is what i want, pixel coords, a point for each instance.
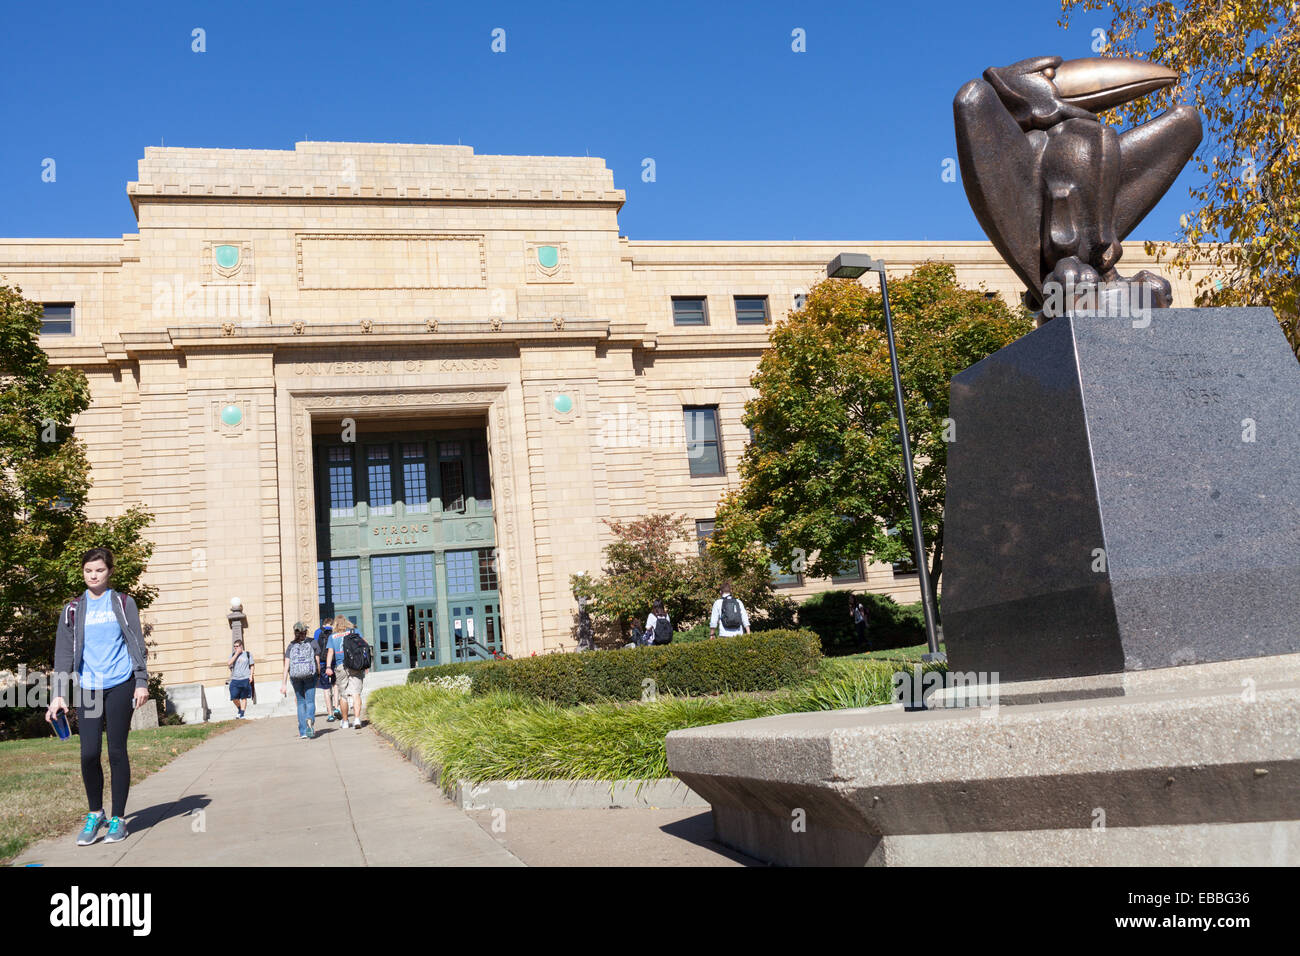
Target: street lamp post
{"type": "Point", "coordinates": [851, 265]}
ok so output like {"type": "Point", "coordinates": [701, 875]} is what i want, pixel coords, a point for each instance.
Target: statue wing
{"type": "Point", "coordinates": [1001, 170]}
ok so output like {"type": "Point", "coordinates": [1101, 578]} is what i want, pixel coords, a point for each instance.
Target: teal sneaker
{"type": "Point", "coordinates": [116, 830]}
{"type": "Point", "coordinates": [90, 832]}
{"type": "Point", "coordinates": [311, 732]}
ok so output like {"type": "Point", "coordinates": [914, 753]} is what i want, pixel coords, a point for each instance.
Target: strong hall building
{"type": "Point", "coordinates": [406, 383]}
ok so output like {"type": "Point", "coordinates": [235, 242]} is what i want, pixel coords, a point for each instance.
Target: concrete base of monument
{"type": "Point", "coordinates": [1201, 768]}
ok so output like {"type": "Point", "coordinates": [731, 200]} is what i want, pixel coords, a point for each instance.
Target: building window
{"type": "Point", "coordinates": [451, 472]}
{"type": "Point", "coordinates": [800, 300]}
{"type": "Point", "coordinates": [703, 532]}
{"type": "Point", "coordinates": [751, 310]}
{"type": "Point", "coordinates": [460, 572]}
{"type": "Point", "coordinates": [690, 311]}
{"type": "Point", "coordinates": [415, 483]}
{"type": "Point", "coordinates": [379, 475]}
{"type": "Point", "coordinates": [482, 476]}
{"type": "Point", "coordinates": [57, 319]}
{"type": "Point", "coordinates": [342, 499]}
{"type": "Point", "coordinates": [487, 572]}
{"type": "Point", "coordinates": [703, 448]}
{"type": "Point", "coordinates": [784, 579]}
{"type": "Point", "coordinates": [851, 571]}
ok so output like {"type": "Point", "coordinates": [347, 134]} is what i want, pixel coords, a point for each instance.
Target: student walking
{"type": "Point", "coordinates": [658, 626]}
{"type": "Point", "coordinates": [324, 638]}
{"type": "Point", "coordinates": [858, 613]}
{"type": "Point", "coordinates": [99, 661]}
{"type": "Point", "coordinates": [300, 666]}
{"type": "Point", "coordinates": [241, 678]}
{"type": "Point", "coordinates": [357, 658]}
{"type": "Point", "coordinates": [728, 617]}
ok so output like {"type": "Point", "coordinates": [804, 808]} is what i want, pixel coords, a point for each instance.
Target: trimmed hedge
{"type": "Point", "coordinates": [765, 660]}
{"type": "Point", "coordinates": [890, 624]}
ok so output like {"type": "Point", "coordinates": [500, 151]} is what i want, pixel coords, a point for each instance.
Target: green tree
{"type": "Point", "coordinates": [646, 561]}
{"type": "Point", "coordinates": [822, 483]}
{"type": "Point", "coordinates": [44, 480]}
{"type": "Point", "coordinates": [1240, 66]}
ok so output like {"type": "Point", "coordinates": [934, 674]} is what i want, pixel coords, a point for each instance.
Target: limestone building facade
{"type": "Point", "coordinates": [407, 383]}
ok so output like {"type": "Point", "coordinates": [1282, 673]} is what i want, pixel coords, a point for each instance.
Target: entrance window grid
{"type": "Point", "coordinates": [487, 573]}
{"type": "Point", "coordinates": [419, 576]}
{"type": "Point", "coordinates": [342, 497]}
{"type": "Point", "coordinates": [414, 480]}
{"type": "Point", "coordinates": [337, 581]}
{"type": "Point", "coordinates": [451, 472]}
{"type": "Point", "coordinates": [385, 483]}
{"type": "Point", "coordinates": [482, 477]}
{"type": "Point", "coordinates": [379, 474]}
{"type": "Point", "coordinates": [460, 572]}
{"type": "Point", "coordinates": [386, 577]}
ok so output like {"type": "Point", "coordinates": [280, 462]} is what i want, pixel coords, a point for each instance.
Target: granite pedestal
{"type": "Point", "coordinates": [1191, 766]}
{"type": "Point", "coordinates": [1122, 545]}
{"type": "Point", "coordinates": [1125, 494]}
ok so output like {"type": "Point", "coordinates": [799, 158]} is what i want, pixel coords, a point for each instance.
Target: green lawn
{"type": "Point", "coordinates": [500, 736]}
{"type": "Point", "coordinates": [41, 794]}
{"type": "Point", "coordinates": [911, 654]}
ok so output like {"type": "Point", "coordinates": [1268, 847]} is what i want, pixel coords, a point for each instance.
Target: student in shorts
{"type": "Point", "coordinates": [349, 681]}
{"type": "Point", "coordinates": [241, 678]}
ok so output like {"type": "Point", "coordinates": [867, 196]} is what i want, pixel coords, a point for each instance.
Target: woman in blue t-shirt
{"type": "Point", "coordinates": [99, 650]}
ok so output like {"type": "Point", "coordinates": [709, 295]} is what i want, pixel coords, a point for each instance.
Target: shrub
{"type": "Point", "coordinates": [700, 632]}
{"type": "Point", "coordinates": [890, 624]}
{"type": "Point", "coordinates": [748, 662]}
{"type": "Point", "coordinates": [419, 675]}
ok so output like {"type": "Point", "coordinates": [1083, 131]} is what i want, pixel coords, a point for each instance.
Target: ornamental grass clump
{"type": "Point", "coordinates": [500, 735]}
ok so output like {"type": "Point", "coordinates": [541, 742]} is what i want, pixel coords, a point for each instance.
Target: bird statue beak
{"type": "Point", "coordinates": [1097, 83]}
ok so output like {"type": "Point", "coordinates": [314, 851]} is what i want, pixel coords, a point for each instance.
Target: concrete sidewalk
{"type": "Point", "coordinates": [626, 837]}
{"type": "Point", "coordinates": [259, 796]}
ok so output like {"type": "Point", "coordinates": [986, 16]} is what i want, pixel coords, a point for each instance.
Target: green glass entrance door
{"type": "Point", "coordinates": [423, 627]}
{"type": "Point", "coordinates": [474, 631]}
{"type": "Point", "coordinates": [390, 637]}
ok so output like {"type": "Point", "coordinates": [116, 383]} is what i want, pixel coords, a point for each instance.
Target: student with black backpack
{"type": "Point", "coordinates": [357, 658]}
{"type": "Point", "coordinates": [658, 627]}
{"type": "Point", "coordinates": [728, 617]}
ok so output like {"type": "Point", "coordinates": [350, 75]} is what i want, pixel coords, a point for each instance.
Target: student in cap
{"type": "Point", "coordinates": [301, 664]}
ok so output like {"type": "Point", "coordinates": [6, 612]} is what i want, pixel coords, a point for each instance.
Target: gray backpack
{"type": "Point", "coordinates": [302, 659]}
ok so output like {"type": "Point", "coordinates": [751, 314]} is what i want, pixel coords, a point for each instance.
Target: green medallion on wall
{"type": "Point", "coordinates": [227, 256]}
{"type": "Point", "coordinates": [548, 257]}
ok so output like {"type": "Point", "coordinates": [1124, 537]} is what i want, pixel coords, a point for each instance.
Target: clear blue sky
{"type": "Point", "coordinates": [750, 140]}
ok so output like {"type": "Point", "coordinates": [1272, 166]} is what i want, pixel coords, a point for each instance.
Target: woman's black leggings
{"type": "Point", "coordinates": [109, 709]}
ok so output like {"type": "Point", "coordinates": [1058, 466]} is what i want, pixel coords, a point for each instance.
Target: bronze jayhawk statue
{"type": "Point", "coordinates": [1054, 188]}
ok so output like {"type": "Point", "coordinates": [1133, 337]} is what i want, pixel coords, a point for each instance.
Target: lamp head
{"type": "Point", "coordinates": [850, 265]}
